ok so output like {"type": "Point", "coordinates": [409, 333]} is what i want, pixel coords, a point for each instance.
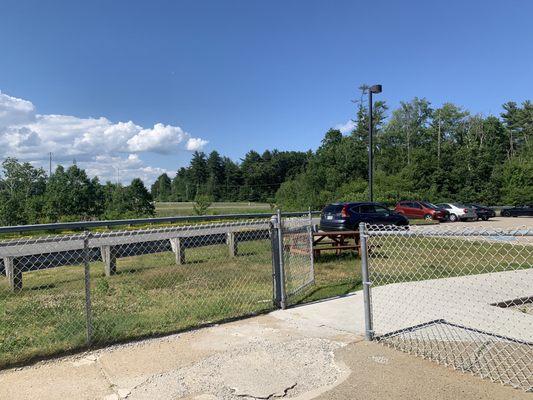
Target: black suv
{"type": "Point", "coordinates": [348, 216]}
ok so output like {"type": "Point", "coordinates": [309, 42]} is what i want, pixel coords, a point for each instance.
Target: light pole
{"type": "Point", "coordinates": [372, 89]}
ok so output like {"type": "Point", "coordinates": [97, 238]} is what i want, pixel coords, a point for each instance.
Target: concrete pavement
{"type": "Point", "coordinates": [312, 351]}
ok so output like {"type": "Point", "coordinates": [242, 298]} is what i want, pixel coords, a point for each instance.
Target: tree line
{"type": "Point", "coordinates": [29, 196]}
{"type": "Point", "coordinates": [423, 152]}
{"type": "Point", "coordinates": [256, 178]}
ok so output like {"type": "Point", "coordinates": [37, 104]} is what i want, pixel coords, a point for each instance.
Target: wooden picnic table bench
{"type": "Point", "coordinates": [337, 241]}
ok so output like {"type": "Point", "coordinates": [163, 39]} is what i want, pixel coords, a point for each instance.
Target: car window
{"type": "Point", "coordinates": [381, 210]}
{"type": "Point", "coordinates": [430, 205]}
{"type": "Point", "coordinates": [416, 205]}
{"type": "Point", "coordinates": [366, 209]}
{"type": "Point", "coordinates": [443, 205]}
{"type": "Point", "coordinates": [408, 204]}
{"type": "Point", "coordinates": [332, 208]}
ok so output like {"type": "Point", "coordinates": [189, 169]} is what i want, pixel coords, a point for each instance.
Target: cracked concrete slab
{"type": "Point", "coordinates": [260, 370]}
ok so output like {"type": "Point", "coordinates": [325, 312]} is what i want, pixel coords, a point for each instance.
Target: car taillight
{"type": "Point", "coordinates": [344, 212]}
{"type": "Point", "coordinates": [465, 210]}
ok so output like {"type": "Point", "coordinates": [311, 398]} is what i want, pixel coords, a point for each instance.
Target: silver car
{"type": "Point", "coordinates": [459, 211]}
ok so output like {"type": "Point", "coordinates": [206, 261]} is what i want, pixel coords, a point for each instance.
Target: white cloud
{"type": "Point", "coordinates": [194, 144]}
{"type": "Point", "coordinates": [15, 111]}
{"type": "Point", "coordinates": [347, 127]}
{"type": "Point", "coordinates": [97, 142]}
{"type": "Point", "coordinates": [161, 138]}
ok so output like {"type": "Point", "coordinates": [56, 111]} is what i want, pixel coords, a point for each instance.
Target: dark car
{"type": "Point", "coordinates": [518, 211]}
{"type": "Point", "coordinates": [421, 209]}
{"type": "Point", "coordinates": [348, 216]}
{"type": "Point", "coordinates": [483, 212]}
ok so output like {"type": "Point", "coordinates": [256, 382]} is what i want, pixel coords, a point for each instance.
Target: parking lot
{"type": "Point", "coordinates": [494, 223]}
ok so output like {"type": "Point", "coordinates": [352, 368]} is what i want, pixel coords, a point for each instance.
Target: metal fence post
{"type": "Point", "coordinates": [312, 253]}
{"type": "Point", "coordinates": [369, 325]}
{"type": "Point", "coordinates": [88, 308]}
{"type": "Point", "coordinates": [276, 236]}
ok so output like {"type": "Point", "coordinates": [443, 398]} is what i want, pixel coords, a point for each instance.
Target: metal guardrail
{"type": "Point", "coordinates": [141, 221]}
{"type": "Point", "coordinates": [202, 274]}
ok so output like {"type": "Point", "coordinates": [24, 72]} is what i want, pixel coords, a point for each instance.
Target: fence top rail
{"type": "Point", "coordinates": [373, 230]}
{"type": "Point", "coordinates": [142, 221]}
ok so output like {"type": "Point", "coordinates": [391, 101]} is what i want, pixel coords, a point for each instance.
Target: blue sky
{"type": "Point", "coordinates": [239, 75]}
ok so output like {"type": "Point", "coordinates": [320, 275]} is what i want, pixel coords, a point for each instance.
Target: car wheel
{"type": "Point", "coordinates": [453, 218]}
{"type": "Point", "coordinates": [506, 214]}
{"type": "Point", "coordinates": [485, 218]}
{"type": "Point", "coordinates": [428, 217]}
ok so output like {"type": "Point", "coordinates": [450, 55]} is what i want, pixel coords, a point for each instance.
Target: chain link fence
{"type": "Point", "coordinates": [42, 296]}
{"type": "Point", "coordinates": [65, 292]}
{"type": "Point", "coordinates": [461, 297]}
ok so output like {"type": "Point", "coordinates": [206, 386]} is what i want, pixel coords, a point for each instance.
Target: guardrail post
{"type": "Point", "coordinates": [231, 241]}
{"type": "Point", "coordinates": [109, 258]}
{"type": "Point", "coordinates": [369, 325]}
{"type": "Point", "coordinates": [178, 247]}
{"type": "Point", "coordinates": [13, 273]}
{"type": "Point", "coordinates": [88, 308]}
{"type": "Point", "coordinates": [277, 261]}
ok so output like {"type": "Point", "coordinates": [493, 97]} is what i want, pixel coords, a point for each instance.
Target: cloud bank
{"type": "Point", "coordinates": [98, 144]}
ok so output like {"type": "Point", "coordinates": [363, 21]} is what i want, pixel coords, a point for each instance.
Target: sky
{"type": "Point", "coordinates": [132, 88]}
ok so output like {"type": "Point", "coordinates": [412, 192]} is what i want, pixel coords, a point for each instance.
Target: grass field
{"type": "Point", "coordinates": [170, 209]}
{"type": "Point", "coordinates": [149, 295]}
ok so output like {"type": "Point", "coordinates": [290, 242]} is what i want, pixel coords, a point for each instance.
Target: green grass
{"type": "Point", "coordinates": [413, 259]}
{"type": "Point", "coordinates": [171, 209]}
{"type": "Point", "coordinates": [150, 294]}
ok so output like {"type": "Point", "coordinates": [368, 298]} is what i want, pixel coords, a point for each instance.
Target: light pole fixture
{"type": "Point", "coordinates": [372, 89]}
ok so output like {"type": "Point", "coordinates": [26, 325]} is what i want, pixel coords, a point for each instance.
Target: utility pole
{"type": "Point", "coordinates": [49, 164]}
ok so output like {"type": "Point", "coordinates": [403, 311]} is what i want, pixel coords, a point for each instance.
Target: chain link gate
{"type": "Point", "coordinates": [298, 256]}
{"type": "Point", "coordinates": [292, 258]}
{"type": "Point", "coordinates": [462, 297]}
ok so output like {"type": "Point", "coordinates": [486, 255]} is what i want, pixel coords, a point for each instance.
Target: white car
{"type": "Point", "coordinates": [459, 211]}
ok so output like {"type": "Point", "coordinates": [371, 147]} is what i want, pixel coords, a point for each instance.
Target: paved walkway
{"type": "Point", "coordinates": [313, 351]}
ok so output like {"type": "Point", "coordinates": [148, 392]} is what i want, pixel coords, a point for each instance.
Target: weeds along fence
{"type": "Point", "coordinates": [461, 297]}
{"type": "Point", "coordinates": [65, 292]}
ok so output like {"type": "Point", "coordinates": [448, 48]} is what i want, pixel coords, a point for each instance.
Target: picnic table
{"type": "Point", "coordinates": [337, 241]}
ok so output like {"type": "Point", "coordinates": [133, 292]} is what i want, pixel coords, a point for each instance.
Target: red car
{"type": "Point", "coordinates": [421, 209]}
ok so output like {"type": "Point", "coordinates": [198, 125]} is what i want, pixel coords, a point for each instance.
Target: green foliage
{"type": "Point", "coordinates": [517, 179]}
{"type": "Point", "coordinates": [422, 153]}
{"type": "Point", "coordinates": [256, 178]}
{"type": "Point", "coordinates": [27, 196]}
{"type": "Point", "coordinates": [202, 203]}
